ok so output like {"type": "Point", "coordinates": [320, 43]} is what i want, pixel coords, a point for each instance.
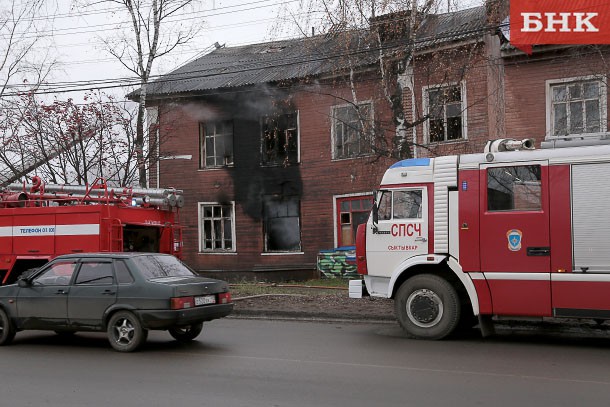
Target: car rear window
{"type": "Point", "coordinates": [160, 266]}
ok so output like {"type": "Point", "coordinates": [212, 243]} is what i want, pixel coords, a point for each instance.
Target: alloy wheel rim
{"type": "Point", "coordinates": [123, 331]}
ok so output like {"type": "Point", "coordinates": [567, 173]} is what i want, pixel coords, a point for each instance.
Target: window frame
{"type": "Point", "coordinates": [264, 219]}
{"type": "Point", "coordinates": [201, 228]}
{"type": "Point", "coordinates": [463, 111]}
{"type": "Point", "coordinates": [603, 102]}
{"type": "Point", "coordinates": [333, 120]}
{"type": "Point", "coordinates": [286, 161]}
{"type": "Point", "coordinates": [203, 137]}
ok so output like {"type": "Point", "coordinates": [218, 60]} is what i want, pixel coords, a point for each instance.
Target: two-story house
{"type": "Point", "coordinates": [278, 145]}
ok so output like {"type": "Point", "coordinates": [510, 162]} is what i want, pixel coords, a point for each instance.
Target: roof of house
{"type": "Point", "coordinates": [277, 61]}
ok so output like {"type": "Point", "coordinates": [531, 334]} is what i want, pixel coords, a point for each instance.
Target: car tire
{"type": "Point", "coordinates": [7, 330]}
{"type": "Point", "coordinates": [186, 333]}
{"type": "Point", "coordinates": [427, 307]}
{"type": "Point", "coordinates": [125, 332]}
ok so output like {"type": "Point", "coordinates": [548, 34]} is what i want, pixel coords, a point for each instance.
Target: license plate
{"type": "Point", "coordinates": [205, 299]}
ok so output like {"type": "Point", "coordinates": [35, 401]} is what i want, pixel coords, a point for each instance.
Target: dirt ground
{"type": "Point", "coordinates": [311, 303]}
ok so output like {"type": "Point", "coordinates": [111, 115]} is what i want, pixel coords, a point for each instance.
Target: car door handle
{"type": "Point", "coordinates": [421, 239]}
{"type": "Point", "coordinates": [61, 292]}
{"type": "Point", "coordinates": [109, 292]}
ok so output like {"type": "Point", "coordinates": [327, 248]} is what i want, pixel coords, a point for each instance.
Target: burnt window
{"type": "Point", "coordinates": [445, 107]}
{"type": "Point", "coordinates": [280, 139]}
{"type": "Point", "coordinates": [352, 130]}
{"type": "Point", "coordinates": [514, 188]}
{"type": "Point", "coordinates": [216, 144]}
{"type": "Point", "coordinates": [216, 223]}
{"type": "Point", "coordinates": [282, 224]}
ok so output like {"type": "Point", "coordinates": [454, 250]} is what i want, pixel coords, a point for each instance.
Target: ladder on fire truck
{"type": "Point", "coordinates": [39, 194]}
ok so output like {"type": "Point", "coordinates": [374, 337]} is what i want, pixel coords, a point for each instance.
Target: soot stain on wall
{"type": "Point", "coordinates": [255, 184]}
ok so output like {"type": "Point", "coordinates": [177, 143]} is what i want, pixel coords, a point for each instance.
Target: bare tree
{"type": "Point", "coordinates": [382, 35]}
{"type": "Point", "coordinates": [21, 29]}
{"type": "Point", "coordinates": [154, 31]}
{"type": "Point", "coordinates": [64, 142]}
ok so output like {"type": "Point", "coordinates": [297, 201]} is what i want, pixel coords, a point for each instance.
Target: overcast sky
{"type": "Point", "coordinates": [83, 60]}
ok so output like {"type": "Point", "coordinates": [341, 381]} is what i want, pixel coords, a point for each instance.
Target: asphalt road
{"type": "Point", "coordinates": [239, 362]}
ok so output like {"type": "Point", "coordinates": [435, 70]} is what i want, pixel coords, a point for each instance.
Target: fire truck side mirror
{"type": "Point", "coordinates": [375, 209]}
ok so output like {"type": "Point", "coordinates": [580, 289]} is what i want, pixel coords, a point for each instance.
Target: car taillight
{"type": "Point", "coordinates": [224, 298]}
{"type": "Point", "coordinates": [182, 302]}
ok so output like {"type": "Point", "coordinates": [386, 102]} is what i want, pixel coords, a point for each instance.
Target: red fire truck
{"type": "Point", "coordinates": [512, 232]}
{"type": "Point", "coordinates": [39, 222]}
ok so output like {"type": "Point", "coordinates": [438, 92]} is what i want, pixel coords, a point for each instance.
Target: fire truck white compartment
{"type": "Point", "coordinates": [591, 217]}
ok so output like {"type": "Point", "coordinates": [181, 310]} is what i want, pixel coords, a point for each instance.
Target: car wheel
{"type": "Point", "coordinates": [125, 332]}
{"type": "Point", "coordinates": [186, 333]}
{"type": "Point", "coordinates": [7, 330]}
{"type": "Point", "coordinates": [427, 307]}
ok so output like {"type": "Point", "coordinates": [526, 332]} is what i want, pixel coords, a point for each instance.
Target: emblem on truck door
{"type": "Point", "coordinates": [514, 240]}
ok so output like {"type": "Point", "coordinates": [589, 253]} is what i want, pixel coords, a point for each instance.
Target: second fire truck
{"type": "Point", "coordinates": [511, 232]}
{"type": "Point", "coordinates": [39, 222]}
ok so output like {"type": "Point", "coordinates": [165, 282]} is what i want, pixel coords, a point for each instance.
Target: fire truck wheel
{"type": "Point", "coordinates": [7, 330]}
{"type": "Point", "coordinates": [125, 332]}
{"type": "Point", "coordinates": [427, 307]}
{"type": "Point", "coordinates": [186, 333]}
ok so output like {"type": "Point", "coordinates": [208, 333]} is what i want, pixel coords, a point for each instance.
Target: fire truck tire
{"type": "Point", "coordinates": [186, 333]}
{"type": "Point", "coordinates": [125, 332]}
{"type": "Point", "coordinates": [427, 307]}
{"type": "Point", "coordinates": [7, 330]}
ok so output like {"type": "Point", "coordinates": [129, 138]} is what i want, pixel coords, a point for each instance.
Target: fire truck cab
{"type": "Point", "coordinates": [512, 232]}
{"type": "Point", "coordinates": [39, 222]}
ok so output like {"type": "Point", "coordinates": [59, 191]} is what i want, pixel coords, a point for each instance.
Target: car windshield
{"type": "Point", "coordinates": [161, 266]}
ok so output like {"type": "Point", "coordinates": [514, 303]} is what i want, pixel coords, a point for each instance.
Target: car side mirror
{"type": "Point", "coordinates": [24, 283]}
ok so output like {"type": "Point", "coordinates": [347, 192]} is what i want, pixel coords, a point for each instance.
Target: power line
{"type": "Point", "coordinates": [284, 61]}
{"type": "Point", "coordinates": [255, 5]}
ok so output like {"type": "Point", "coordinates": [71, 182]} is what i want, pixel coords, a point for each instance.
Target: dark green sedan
{"type": "Point", "coordinates": [124, 294]}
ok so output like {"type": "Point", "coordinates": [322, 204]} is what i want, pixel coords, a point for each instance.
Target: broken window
{"type": "Point", "coordinates": [352, 130]}
{"type": "Point", "coordinates": [445, 107]}
{"type": "Point", "coordinates": [280, 143]}
{"type": "Point", "coordinates": [282, 224]}
{"type": "Point", "coordinates": [216, 229]}
{"type": "Point", "coordinates": [577, 107]}
{"type": "Point", "coordinates": [216, 144]}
